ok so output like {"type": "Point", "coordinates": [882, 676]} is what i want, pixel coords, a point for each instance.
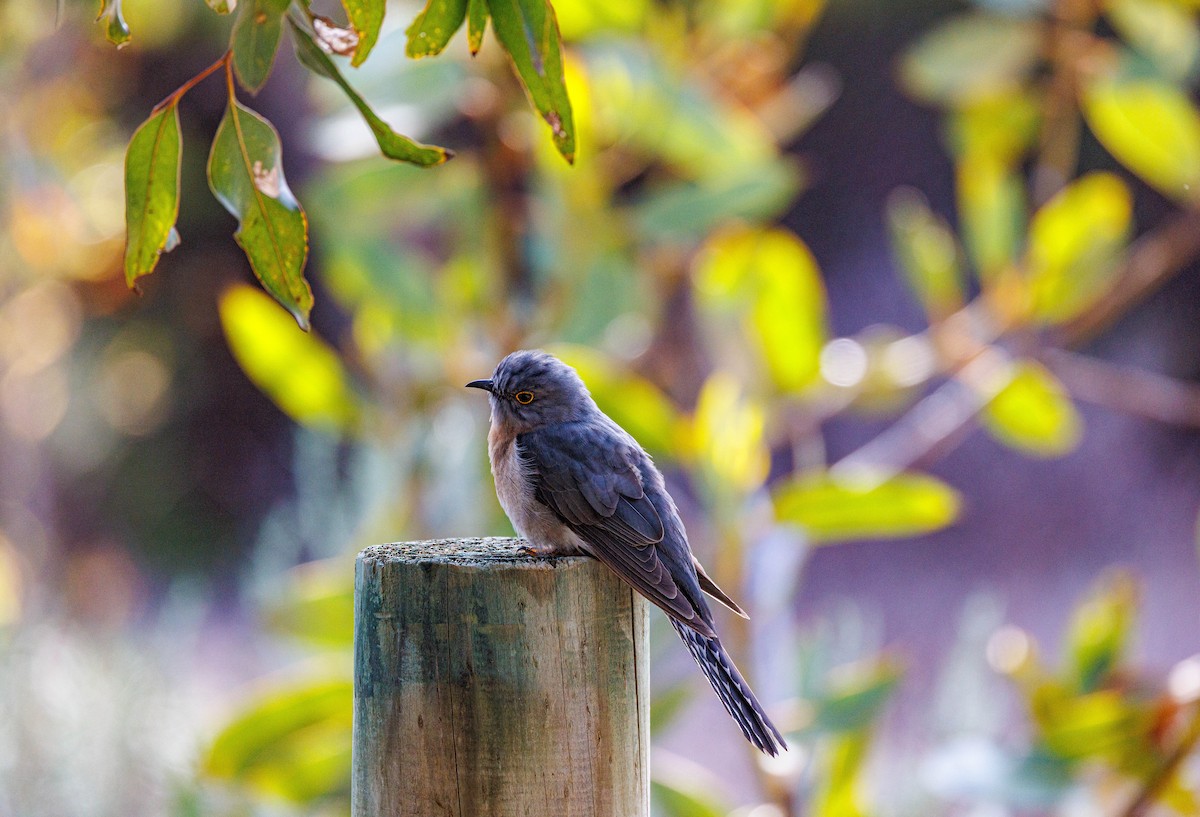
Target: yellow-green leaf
{"type": "Point", "coordinates": [1100, 630]}
{"type": "Point", "coordinates": [1075, 241]}
{"type": "Point", "coordinates": [970, 57]}
{"type": "Point", "coordinates": [769, 276]}
{"type": "Point", "coordinates": [1152, 128]}
{"type": "Point", "coordinates": [838, 792]}
{"type": "Point", "coordinates": [317, 604]}
{"type": "Point", "coordinates": [1034, 413]}
{"type": "Point", "coordinates": [832, 509]}
{"type": "Point", "coordinates": [727, 435]}
{"type": "Point", "coordinates": [152, 164]}
{"type": "Point", "coordinates": [477, 15]}
{"type": "Point", "coordinates": [292, 741]}
{"type": "Point", "coordinates": [366, 18]}
{"type": "Point", "coordinates": [434, 26]}
{"type": "Point", "coordinates": [393, 145]}
{"type": "Point", "coordinates": [255, 39]}
{"type": "Point", "coordinates": [1098, 725]}
{"type": "Point", "coordinates": [1001, 126]}
{"type": "Point", "coordinates": [991, 211]}
{"type": "Point", "coordinates": [927, 251]}
{"type": "Point", "coordinates": [245, 172]}
{"type": "Point", "coordinates": [528, 31]}
{"type": "Point", "coordinates": [636, 404]}
{"type": "Point", "coordinates": [1160, 29]}
{"type": "Point", "coordinates": [299, 372]}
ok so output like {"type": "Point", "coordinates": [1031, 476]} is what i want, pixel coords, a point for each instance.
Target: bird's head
{"type": "Point", "coordinates": [531, 389]}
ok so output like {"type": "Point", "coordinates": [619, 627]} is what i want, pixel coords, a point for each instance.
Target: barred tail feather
{"type": "Point", "coordinates": [732, 689]}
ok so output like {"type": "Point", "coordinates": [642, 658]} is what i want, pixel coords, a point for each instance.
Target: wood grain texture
{"type": "Point", "coordinates": [489, 684]}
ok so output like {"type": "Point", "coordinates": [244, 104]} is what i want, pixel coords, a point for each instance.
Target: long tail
{"type": "Point", "coordinates": [732, 689]}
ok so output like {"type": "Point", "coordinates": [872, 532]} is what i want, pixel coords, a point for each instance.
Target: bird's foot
{"type": "Point", "coordinates": [538, 553]}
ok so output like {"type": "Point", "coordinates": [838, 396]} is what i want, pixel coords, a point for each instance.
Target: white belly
{"type": "Point", "coordinates": [531, 518]}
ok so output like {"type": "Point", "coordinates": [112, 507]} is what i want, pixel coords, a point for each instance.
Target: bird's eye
{"type": "Point", "coordinates": [524, 397]}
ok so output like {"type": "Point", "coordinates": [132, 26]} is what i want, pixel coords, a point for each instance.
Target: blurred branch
{"type": "Point", "coordinates": [1163, 774]}
{"type": "Point", "coordinates": [1152, 260]}
{"type": "Point", "coordinates": [934, 423]}
{"type": "Point", "coordinates": [1127, 388]}
{"type": "Point", "coordinates": [1067, 38]}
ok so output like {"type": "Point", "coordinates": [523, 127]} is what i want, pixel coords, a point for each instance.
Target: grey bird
{"type": "Point", "coordinates": [574, 482]}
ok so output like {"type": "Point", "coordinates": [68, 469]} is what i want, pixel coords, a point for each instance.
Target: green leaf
{"type": "Point", "coordinates": [1161, 30]}
{"type": "Point", "coordinates": [317, 604]}
{"type": "Point", "coordinates": [1152, 128]}
{"type": "Point", "coordinates": [927, 251]}
{"type": "Point", "coordinates": [299, 372]}
{"type": "Point", "coordinates": [831, 509]}
{"type": "Point", "coordinates": [681, 788]}
{"type": "Point", "coordinates": [528, 32]}
{"type": "Point", "coordinates": [1034, 413]}
{"type": "Point", "coordinates": [293, 741]}
{"type": "Point", "coordinates": [152, 167]}
{"type": "Point", "coordinates": [434, 27]}
{"type": "Point", "coordinates": [393, 145]}
{"type": "Point", "coordinates": [477, 14]}
{"type": "Point", "coordinates": [636, 404]}
{"type": "Point", "coordinates": [116, 30]}
{"type": "Point", "coordinates": [673, 801]}
{"type": "Point", "coordinates": [245, 172]}
{"type": "Point", "coordinates": [1100, 630]}
{"type": "Point", "coordinates": [769, 277]}
{"type": "Point", "coordinates": [991, 211]}
{"type": "Point", "coordinates": [689, 210]}
{"type": "Point", "coordinates": [221, 6]}
{"type": "Point", "coordinates": [255, 39]}
{"type": "Point", "coordinates": [366, 18]}
{"type": "Point", "coordinates": [1075, 242]}
{"type": "Point", "coordinates": [854, 703]}
{"type": "Point", "coordinates": [970, 57]}
{"type": "Point", "coordinates": [667, 704]}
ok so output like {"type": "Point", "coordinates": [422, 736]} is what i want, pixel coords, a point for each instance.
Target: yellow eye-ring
{"type": "Point", "coordinates": [524, 397]}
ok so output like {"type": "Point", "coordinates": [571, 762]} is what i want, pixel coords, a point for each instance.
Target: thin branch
{"type": "Point", "coordinates": [178, 93]}
{"type": "Point", "coordinates": [1152, 260]}
{"type": "Point", "coordinates": [1170, 766]}
{"type": "Point", "coordinates": [1126, 388]}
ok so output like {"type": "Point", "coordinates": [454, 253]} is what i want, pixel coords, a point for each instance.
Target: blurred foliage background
{"type": "Point", "coordinates": [915, 279]}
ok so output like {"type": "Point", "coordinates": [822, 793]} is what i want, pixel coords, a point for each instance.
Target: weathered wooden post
{"type": "Point", "coordinates": [489, 684]}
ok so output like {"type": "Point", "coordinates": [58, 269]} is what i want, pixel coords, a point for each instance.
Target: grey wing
{"type": "Point", "coordinates": [591, 480]}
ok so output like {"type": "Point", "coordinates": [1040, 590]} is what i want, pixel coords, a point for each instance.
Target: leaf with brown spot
{"type": "Point", "coordinates": [245, 172]}
{"type": "Point", "coordinates": [366, 18]}
{"type": "Point", "coordinates": [434, 26]}
{"type": "Point", "coordinates": [332, 38]}
{"type": "Point", "coordinates": [255, 39]}
{"type": "Point", "coordinates": [477, 15]}
{"type": "Point", "coordinates": [528, 31]}
{"type": "Point", "coordinates": [393, 145]}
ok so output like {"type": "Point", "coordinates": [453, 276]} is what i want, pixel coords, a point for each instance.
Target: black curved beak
{"type": "Point", "coordinates": [486, 385]}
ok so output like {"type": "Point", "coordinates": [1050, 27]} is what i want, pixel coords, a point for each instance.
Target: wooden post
{"type": "Point", "coordinates": [488, 684]}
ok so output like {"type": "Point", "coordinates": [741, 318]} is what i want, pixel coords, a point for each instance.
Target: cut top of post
{"type": "Point", "coordinates": [475, 552]}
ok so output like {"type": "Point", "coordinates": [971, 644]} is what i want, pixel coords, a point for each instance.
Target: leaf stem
{"type": "Point", "coordinates": [178, 93]}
